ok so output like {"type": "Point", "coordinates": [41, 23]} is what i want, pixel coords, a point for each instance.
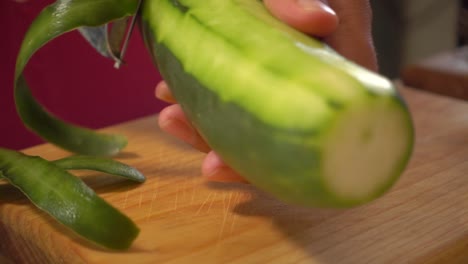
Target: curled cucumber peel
{"type": "Point", "coordinates": [48, 184]}
{"type": "Point", "coordinates": [56, 19]}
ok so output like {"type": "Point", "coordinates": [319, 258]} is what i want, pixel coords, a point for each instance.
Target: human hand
{"type": "Point", "coordinates": [344, 25]}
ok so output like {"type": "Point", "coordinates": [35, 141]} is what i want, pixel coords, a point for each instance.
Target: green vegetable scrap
{"type": "Point", "coordinates": [54, 20]}
{"type": "Point", "coordinates": [48, 184]}
{"type": "Point", "coordinates": [67, 199]}
{"type": "Point", "coordinates": [100, 164]}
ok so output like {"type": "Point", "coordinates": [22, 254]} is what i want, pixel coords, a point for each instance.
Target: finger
{"type": "Point", "coordinates": [309, 16]}
{"type": "Point", "coordinates": [173, 121]}
{"type": "Point", "coordinates": [214, 169]}
{"type": "Point", "coordinates": [353, 36]}
{"type": "Point", "coordinates": [163, 92]}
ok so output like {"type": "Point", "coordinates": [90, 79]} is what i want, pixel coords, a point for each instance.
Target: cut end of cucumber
{"type": "Point", "coordinates": [380, 132]}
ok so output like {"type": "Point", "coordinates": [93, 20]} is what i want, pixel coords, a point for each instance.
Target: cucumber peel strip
{"type": "Point", "coordinates": [100, 164]}
{"type": "Point", "coordinates": [56, 19]}
{"type": "Point", "coordinates": [73, 204]}
{"type": "Point", "coordinates": [68, 199]}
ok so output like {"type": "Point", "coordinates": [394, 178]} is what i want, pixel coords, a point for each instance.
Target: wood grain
{"type": "Point", "coordinates": [183, 219]}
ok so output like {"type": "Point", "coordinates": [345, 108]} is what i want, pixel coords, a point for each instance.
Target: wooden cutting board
{"type": "Point", "coordinates": [423, 219]}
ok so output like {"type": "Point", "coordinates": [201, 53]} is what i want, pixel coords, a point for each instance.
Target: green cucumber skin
{"type": "Point", "coordinates": [244, 142]}
{"type": "Point", "coordinates": [277, 160]}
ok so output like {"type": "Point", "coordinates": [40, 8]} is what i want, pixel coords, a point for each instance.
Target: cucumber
{"type": "Point", "coordinates": [284, 110]}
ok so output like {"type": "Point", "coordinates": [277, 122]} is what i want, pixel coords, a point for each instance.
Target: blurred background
{"type": "Point", "coordinates": [72, 81]}
{"type": "Point", "coordinates": [406, 32]}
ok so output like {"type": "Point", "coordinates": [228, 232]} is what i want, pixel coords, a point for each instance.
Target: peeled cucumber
{"type": "Point", "coordinates": [284, 110]}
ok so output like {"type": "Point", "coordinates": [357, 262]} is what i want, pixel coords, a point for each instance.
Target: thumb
{"type": "Point", "coordinates": [312, 17]}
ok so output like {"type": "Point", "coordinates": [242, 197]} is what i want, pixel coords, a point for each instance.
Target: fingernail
{"type": "Point", "coordinates": [312, 5]}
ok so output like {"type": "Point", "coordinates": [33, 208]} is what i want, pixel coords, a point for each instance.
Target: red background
{"type": "Point", "coordinates": [70, 79]}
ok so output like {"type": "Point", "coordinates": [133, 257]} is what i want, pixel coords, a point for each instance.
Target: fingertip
{"type": "Point", "coordinates": [163, 92]}
{"type": "Point", "coordinates": [214, 169]}
{"type": "Point", "coordinates": [169, 113]}
{"type": "Point", "coordinates": [172, 120]}
{"type": "Point", "coordinates": [211, 163]}
{"type": "Point", "coordinates": [168, 120]}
